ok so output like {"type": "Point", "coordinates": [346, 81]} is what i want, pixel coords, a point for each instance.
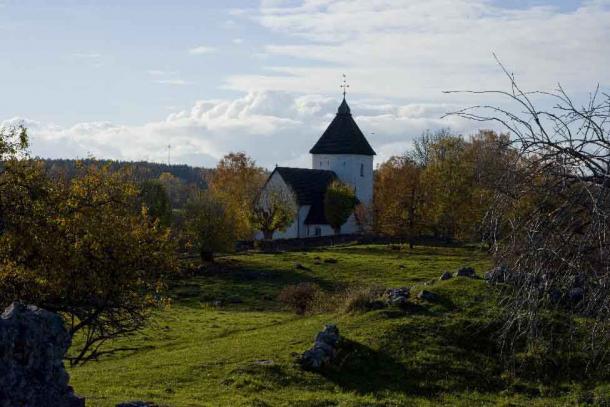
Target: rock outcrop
{"type": "Point", "coordinates": [324, 349]}
{"type": "Point", "coordinates": [33, 343]}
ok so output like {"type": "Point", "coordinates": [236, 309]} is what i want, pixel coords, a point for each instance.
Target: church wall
{"type": "Point", "coordinates": [348, 169]}
{"type": "Point", "coordinates": [348, 228]}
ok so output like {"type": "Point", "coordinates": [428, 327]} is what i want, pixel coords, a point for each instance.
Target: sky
{"type": "Point", "coordinates": [125, 79]}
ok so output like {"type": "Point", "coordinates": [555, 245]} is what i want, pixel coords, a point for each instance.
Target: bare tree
{"type": "Point", "coordinates": [549, 221]}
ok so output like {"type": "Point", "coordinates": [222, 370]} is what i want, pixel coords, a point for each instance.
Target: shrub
{"type": "Point", "coordinates": [362, 299]}
{"type": "Point", "coordinates": [300, 297]}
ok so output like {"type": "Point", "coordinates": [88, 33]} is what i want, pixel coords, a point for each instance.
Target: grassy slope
{"type": "Point", "coordinates": [195, 354]}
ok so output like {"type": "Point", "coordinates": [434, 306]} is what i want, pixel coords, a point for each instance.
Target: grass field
{"type": "Point", "coordinates": [242, 353]}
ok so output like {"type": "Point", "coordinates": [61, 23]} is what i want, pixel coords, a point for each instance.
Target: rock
{"type": "Point", "coordinates": [465, 272]}
{"type": "Point", "coordinates": [33, 343]}
{"type": "Point", "coordinates": [217, 303]}
{"type": "Point", "coordinates": [497, 275]}
{"type": "Point", "coordinates": [428, 296]}
{"type": "Point", "coordinates": [137, 403]}
{"type": "Point", "coordinates": [555, 295]}
{"type": "Point", "coordinates": [234, 300]}
{"type": "Point", "coordinates": [330, 261]}
{"type": "Point", "coordinates": [402, 266]}
{"type": "Point", "coordinates": [446, 276]}
{"type": "Point", "coordinates": [324, 349]}
{"type": "Point", "coordinates": [397, 296]}
{"type": "Point", "coordinates": [299, 266]}
{"type": "Point", "coordinates": [264, 362]}
{"type": "Point", "coordinates": [576, 294]}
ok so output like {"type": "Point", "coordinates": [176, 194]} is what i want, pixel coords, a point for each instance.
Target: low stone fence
{"type": "Point", "coordinates": [307, 243]}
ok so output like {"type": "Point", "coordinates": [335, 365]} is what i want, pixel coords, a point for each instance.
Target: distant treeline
{"type": "Point", "coordinates": [142, 170]}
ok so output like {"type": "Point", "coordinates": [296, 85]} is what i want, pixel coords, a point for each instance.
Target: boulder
{"type": "Point", "coordinates": [323, 350]}
{"type": "Point", "coordinates": [576, 294]}
{"type": "Point", "coordinates": [428, 296]}
{"type": "Point", "coordinates": [137, 403]}
{"type": "Point", "coordinates": [497, 275]}
{"type": "Point", "coordinates": [465, 272]}
{"type": "Point", "coordinates": [446, 276]}
{"type": "Point", "coordinates": [33, 343]}
{"type": "Point", "coordinates": [330, 260]}
{"type": "Point", "coordinates": [397, 296]}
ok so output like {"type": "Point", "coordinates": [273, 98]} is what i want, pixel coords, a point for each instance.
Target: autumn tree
{"type": "Point", "coordinates": [81, 248]}
{"type": "Point", "coordinates": [274, 209]}
{"type": "Point", "coordinates": [339, 203]}
{"type": "Point", "coordinates": [237, 181]}
{"type": "Point", "coordinates": [209, 226]}
{"type": "Point", "coordinates": [399, 198]}
{"type": "Point", "coordinates": [155, 198]}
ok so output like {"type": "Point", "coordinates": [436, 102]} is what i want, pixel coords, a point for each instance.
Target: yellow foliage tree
{"type": "Point", "coordinates": [237, 181]}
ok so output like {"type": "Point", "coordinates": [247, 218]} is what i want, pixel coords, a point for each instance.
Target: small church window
{"type": "Point", "coordinates": [318, 231]}
{"type": "Point", "coordinates": [320, 164]}
{"type": "Point", "coordinates": [362, 170]}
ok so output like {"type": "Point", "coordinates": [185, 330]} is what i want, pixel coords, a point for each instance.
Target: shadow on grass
{"type": "Point", "coordinates": [233, 283]}
{"type": "Point", "coordinates": [459, 360]}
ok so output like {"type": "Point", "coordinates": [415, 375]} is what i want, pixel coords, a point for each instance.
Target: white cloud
{"type": "Point", "coordinates": [413, 50]}
{"type": "Point", "coordinates": [238, 40]}
{"type": "Point", "coordinates": [202, 49]}
{"type": "Point", "coordinates": [272, 127]}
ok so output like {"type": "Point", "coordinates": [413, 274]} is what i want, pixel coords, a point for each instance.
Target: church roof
{"type": "Point", "coordinates": [343, 136]}
{"type": "Point", "coordinates": [309, 186]}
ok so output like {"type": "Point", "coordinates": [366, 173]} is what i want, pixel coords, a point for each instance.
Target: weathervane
{"type": "Point", "coordinates": [344, 86]}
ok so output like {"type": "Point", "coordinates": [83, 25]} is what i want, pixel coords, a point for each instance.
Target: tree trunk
{"type": "Point", "coordinates": [268, 234]}
{"type": "Point", "coordinates": [337, 230]}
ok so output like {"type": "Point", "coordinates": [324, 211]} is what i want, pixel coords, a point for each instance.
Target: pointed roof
{"type": "Point", "coordinates": [343, 136]}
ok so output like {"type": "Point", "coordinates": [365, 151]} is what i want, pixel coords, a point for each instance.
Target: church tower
{"type": "Point", "coordinates": [344, 150]}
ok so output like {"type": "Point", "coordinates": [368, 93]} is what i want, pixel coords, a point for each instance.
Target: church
{"type": "Point", "coordinates": [342, 153]}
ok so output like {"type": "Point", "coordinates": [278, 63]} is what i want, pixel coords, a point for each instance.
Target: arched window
{"type": "Point", "coordinates": [362, 170]}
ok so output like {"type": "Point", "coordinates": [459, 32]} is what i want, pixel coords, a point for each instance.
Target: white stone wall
{"type": "Point", "coordinates": [348, 169]}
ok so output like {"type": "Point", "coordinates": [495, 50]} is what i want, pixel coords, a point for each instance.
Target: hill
{"type": "Point", "coordinates": [227, 341]}
{"type": "Point", "coordinates": [142, 170]}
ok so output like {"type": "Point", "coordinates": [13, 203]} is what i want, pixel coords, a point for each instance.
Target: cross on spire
{"type": "Point", "coordinates": [344, 85]}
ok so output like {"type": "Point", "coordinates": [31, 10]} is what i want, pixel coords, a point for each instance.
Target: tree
{"type": "Point", "coordinates": [399, 198]}
{"type": "Point", "coordinates": [339, 204]}
{"type": "Point", "coordinates": [81, 248]}
{"type": "Point", "coordinates": [237, 181]}
{"type": "Point", "coordinates": [274, 209]}
{"type": "Point", "coordinates": [209, 225]}
{"type": "Point", "coordinates": [154, 196]}
{"type": "Point", "coordinates": [550, 218]}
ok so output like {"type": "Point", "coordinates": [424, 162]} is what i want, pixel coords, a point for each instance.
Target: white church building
{"type": "Point", "coordinates": [343, 153]}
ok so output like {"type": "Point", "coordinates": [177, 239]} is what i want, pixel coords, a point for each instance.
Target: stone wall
{"type": "Point", "coordinates": [33, 343]}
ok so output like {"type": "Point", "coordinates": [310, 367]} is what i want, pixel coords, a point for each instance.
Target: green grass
{"type": "Point", "coordinates": [243, 352]}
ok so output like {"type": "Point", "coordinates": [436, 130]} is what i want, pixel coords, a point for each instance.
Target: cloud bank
{"type": "Point", "coordinates": [399, 56]}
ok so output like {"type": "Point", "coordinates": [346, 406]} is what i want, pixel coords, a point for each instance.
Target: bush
{"type": "Point", "coordinates": [300, 297]}
{"type": "Point", "coordinates": [362, 299]}
{"type": "Point", "coordinates": [209, 225]}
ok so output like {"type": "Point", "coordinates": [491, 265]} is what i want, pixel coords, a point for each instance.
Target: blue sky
{"type": "Point", "coordinates": [122, 79]}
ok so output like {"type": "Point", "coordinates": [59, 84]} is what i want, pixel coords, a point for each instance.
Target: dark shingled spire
{"type": "Point", "coordinates": [343, 136]}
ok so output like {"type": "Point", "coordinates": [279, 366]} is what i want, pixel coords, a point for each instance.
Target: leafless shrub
{"type": "Point", "coordinates": [549, 221]}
